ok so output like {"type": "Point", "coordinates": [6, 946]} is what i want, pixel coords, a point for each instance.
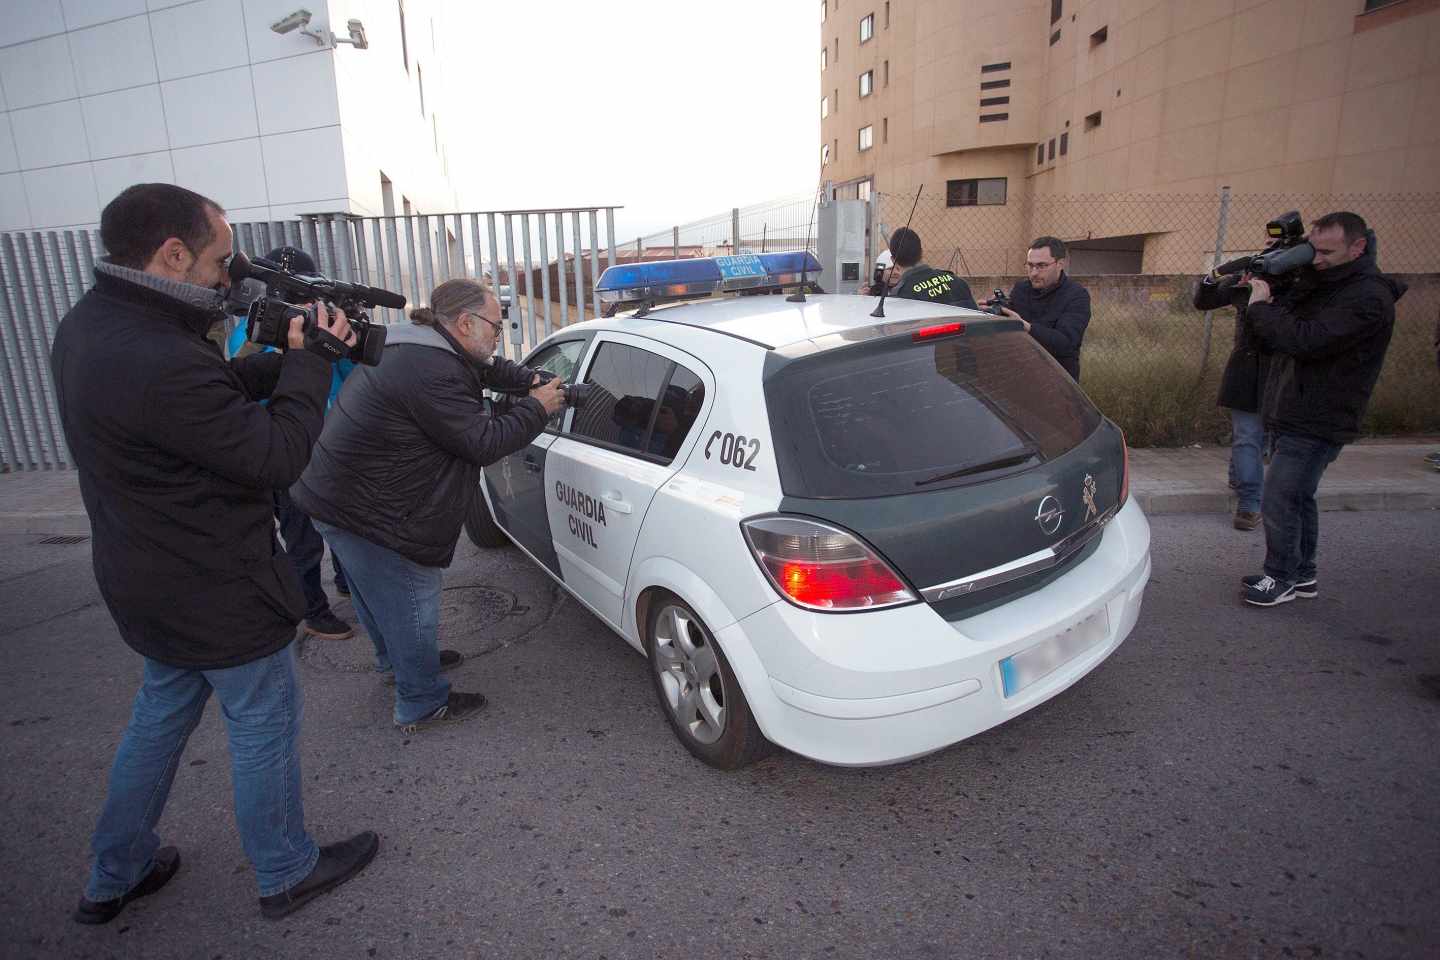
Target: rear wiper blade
{"type": "Point", "coordinates": [1010, 460]}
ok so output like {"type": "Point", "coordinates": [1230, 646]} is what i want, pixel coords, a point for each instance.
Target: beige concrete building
{"type": "Point", "coordinates": [997, 105]}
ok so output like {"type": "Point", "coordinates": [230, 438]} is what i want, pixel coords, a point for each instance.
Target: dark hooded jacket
{"type": "Point", "coordinates": [1057, 317]}
{"type": "Point", "coordinates": [1329, 336]}
{"type": "Point", "coordinates": [1242, 383]}
{"type": "Point", "coordinates": [400, 457]}
{"type": "Point", "coordinates": [178, 465]}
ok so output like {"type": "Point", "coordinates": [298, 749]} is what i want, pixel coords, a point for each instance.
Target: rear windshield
{"type": "Point", "coordinates": [895, 416]}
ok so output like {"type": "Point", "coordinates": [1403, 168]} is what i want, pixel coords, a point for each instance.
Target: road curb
{"type": "Point", "coordinates": [1159, 503]}
{"type": "Point", "coordinates": [51, 524]}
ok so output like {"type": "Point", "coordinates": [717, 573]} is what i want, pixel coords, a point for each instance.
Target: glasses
{"type": "Point", "coordinates": [499, 328]}
{"type": "Point", "coordinates": [1039, 266]}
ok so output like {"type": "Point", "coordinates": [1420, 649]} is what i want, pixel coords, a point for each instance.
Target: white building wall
{"type": "Point", "coordinates": [98, 94]}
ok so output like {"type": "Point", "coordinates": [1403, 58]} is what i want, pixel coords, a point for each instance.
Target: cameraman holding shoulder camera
{"type": "Point", "coordinates": [1329, 337]}
{"type": "Point", "coordinates": [394, 473]}
{"type": "Point", "coordinates": [177, 466]}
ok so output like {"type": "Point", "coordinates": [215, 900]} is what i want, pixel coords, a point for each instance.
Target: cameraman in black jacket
{"type": "Point", "coordinates": [395, 469]}
{"type": "Point", "coordinates": [1329, 338]}
{"type": "Point", "coordinates": [1242, 386]}
{"type": "Point", "coordinates": [178, 464]}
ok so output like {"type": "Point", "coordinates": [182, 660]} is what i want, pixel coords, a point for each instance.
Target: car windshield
{"type": "Point", "coordinates": [899, 416]}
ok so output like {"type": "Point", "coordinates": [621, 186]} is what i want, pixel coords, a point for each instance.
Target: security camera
{"type": "Point", "coordinates": [300, 18]}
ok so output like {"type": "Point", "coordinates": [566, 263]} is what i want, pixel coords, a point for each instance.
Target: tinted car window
{"type": "Point", "coordinates": [899, 417]}
{"type": "Point", "coordinates": [622, 408]}
{"type": "Point", "coordinates": [560, 359]}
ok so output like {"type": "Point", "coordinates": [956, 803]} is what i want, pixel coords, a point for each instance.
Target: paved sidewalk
{"type": "Point", "coordinates": [1370, 475]}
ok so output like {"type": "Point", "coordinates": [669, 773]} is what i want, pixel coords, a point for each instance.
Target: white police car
{"type": "Point", "coordinates": [860, 538]}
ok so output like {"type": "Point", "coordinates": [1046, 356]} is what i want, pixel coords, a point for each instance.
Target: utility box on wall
{"type": "Point", "coordinates": [841, 237]}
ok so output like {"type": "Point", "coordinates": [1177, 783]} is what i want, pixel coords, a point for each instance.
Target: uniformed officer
{"type": "Point", "coordinates": [920, 281]}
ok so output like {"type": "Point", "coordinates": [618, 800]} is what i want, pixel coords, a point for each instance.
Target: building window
{"type": "Point", "coordinates": [985, 192]}
{"type": "Point", "coordinates": [1064, 143]}
{"type": "Point", "coordinates": [1092, 121]}
{"type": "Point", "coordinates": [867, 27]}
{"type": "Point", "coordinates": [887, 14]}
{"type": "Point", "coordinates": [1055, 10]}
{"type": "Point", "coordinates": [835, 98]}
{"type": "Point", "coordinates": [824, 107]}
{"type": "Point", "coordinates": [824, 154]}
{"type": "Point", "coordinates": [404, 48]}
{"type": "Point", "coordinates": [824, 58]}
{"type": "Point", "coordinates": [993, 117]}
{"type": "Point", "coordinates": [1050, 153]}
{"type": "Point", "coordinates": [867, 137]}
{"type": "Point", "coordinates": [884, 129]}
{"type": "Point", "coordinates": [887, 73]}
{"type": "Point", "coordinates": [1099, 37]}
{"type": "Point", "coordinates": [823, 4]}
{"type": "Point", "coordinates": [1377, 4]}
{"type": "Point", "coordinates": [994, 84]}
{"type": "Point", "coordinates": [867, 83]}
{"type": "Point", "coordinates": [1054, 38]}
{"type": "Point", "coordinates": [1039, 154]}
{"type": "Point", "coordinates": [837, 49]}
{"type": "Point", "coordinates": [420, 76]}
{"type": "Point", "coordinates": [994, 101]}
{"type": "Point", "coordinates": [862, 190]}
{"type": "Point", "coordinates": [995, 67]}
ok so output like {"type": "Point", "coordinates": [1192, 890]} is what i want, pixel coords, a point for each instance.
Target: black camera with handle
{"type": "Point", "coordinates": [575, 394]}
{"type": "Point", "coordinates": [1287, 252]}
{"type": "Point", "coordinates": [268, 319]}
{"type": "Point", "coordinates": [999, 303]}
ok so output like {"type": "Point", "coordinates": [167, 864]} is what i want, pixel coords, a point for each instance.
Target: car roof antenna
{"type": "Point", "coordinates": [879, 310]}
{"type": "Point", "coordinates": [799, 295]}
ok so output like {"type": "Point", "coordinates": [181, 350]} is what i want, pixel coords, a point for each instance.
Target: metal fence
{"type": "Point", "coordinates": [786, 223]}
{"type": "Point", "coordinates": [1150, 360]}
{"type": "Point", "coordinates": [546, 260]}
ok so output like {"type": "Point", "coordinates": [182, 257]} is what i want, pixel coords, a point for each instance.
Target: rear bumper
{"type": "Point", "coordinates": [886, 686]}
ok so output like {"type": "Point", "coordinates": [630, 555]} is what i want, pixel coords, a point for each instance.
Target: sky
{"type": "Point", "coordinates": [676, 109]}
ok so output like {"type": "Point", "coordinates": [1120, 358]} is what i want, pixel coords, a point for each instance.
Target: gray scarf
{"type": "Point", "coordinates": [201, 298]}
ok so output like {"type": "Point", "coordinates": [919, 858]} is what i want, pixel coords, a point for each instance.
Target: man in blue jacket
{"type": "Point", "coordinates": [1054, 308]}
{"type": "Point", "coordinates": [177, 463]}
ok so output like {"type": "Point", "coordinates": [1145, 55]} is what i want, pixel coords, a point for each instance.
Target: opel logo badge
{"type": "Point", "coordinates": [1049, 515]}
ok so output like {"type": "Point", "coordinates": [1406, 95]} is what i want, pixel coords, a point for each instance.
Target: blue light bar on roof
{"type": "Point", "coordinates": [678, 279]}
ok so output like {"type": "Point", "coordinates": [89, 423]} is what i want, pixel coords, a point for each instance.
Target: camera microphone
{"type": "Point", "coordinates": [375, 296]}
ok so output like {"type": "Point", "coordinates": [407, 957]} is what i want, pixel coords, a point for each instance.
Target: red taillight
{"type": "Point", "coordinates": [939, 330]}
{"type": "Point", "coordinates": [1125, 473]}
{"type": "Point", "coordinates": [821, 567]}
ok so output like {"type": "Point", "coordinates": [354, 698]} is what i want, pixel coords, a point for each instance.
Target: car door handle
{"type": "Point", "coordinates": [614, 501]}
{"type": "Point", "coordinates": [531, 464]}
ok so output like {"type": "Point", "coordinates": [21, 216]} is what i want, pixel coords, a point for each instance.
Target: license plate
{"type": "Point", "coordinates": [1020, 670]}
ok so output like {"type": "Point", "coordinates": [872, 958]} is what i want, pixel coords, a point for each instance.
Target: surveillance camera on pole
{"type": "Point", "coordinates": [300, 20]}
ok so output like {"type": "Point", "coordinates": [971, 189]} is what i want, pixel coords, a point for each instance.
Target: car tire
{"type": "Point", "coordinates": [697, 690]}
{"type": "Point", "coordinates": [480, 525]}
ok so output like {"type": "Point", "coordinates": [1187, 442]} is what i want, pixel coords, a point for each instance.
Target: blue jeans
{"type": "Point", "coordinates": [398, 603]}
{"type": "Point", "coordinates": [1247, 464]}
{"type": "Point", "coordinates": [305, 549]}
{"type": "Point", "coordinates": [262, 705]}
{"type": "Point", "coordinates": [1292, 520]}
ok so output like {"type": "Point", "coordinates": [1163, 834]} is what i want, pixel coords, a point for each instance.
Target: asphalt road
{"type": "Point", "coordinates": [1232, 782]}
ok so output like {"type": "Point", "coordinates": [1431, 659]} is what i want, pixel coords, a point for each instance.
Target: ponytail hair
{"type": "Point", "coordinates": [449, 300]}
{"type": "Point", "coordinates": [423, 316]}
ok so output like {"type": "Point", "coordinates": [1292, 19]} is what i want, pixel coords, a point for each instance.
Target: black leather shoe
{"type": "Point", "coordinates": [167, 862]}
{"type": "Point", "coordinates": [338, 862]}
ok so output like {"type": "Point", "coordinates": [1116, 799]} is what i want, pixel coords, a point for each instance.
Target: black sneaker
{"type": "Point", "coordinates": [327, 626]}
{"type": "Point", "coordinates": [459, 708]}
{"type": "Point", "coordinates": [167, 862]}
{"type": "Point", "coordinates": [1268, 592]}
{"type": "Point", "coordinates": [448, 660]}
{"type": "Point", "coordinates": [1304, 589]}
{"type": "Point", "coordinates": [338, 862]}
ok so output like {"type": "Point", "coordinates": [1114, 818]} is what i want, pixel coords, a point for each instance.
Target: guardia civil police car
{"type": "Point", "coordinates": [859, 538]}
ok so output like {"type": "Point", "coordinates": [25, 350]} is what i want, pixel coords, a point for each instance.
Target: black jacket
{"type": "Point", "coordinates": [1330, 335]}
{"type": "Point", "coordinates": [924, 282]}
{"type": "Point", "coordinates": [178, 465]}
{"type": "Point", "coordinates": [1057, 317]}
{"type": "Point", "coordinates": [402, 449]}
{"type": "Point", "coordinates": [1242, 384]}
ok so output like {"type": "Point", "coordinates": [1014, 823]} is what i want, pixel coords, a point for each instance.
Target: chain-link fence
{"type": "Point", "coordinates": [1150, 360]}
{"type": "Point", "coordinates": [786, 223]}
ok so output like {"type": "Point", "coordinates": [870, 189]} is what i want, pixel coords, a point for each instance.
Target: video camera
{"type": "Point", "coordinates": [1288, 251]}
{"type": "Point", "coordinates": [999, 303]}
{"type": "Point", "coordinates": [268, 319]}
